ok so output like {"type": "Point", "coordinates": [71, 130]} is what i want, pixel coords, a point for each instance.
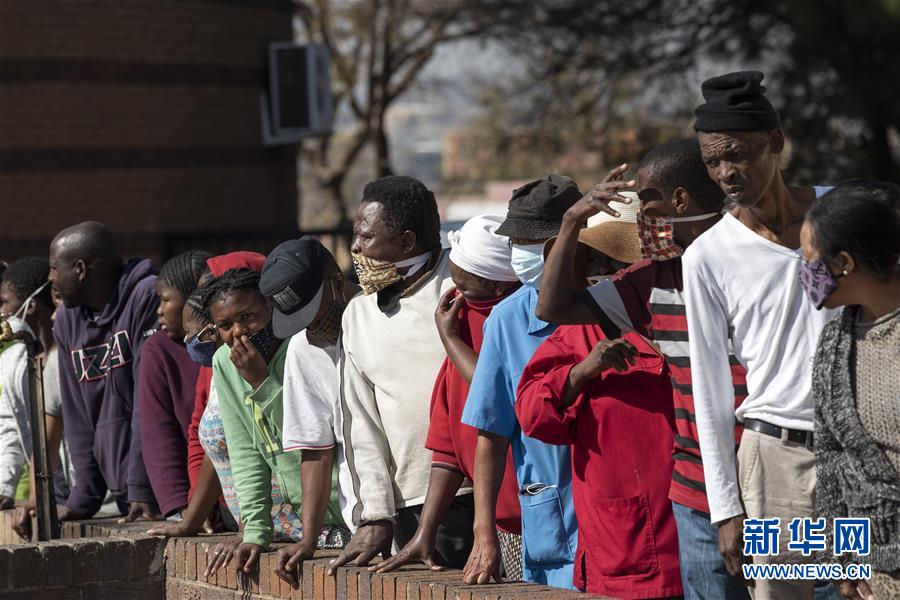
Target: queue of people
{"type": "Point", "coordinates": [594, 391]}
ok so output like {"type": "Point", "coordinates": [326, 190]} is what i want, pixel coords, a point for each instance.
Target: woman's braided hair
{"type": "Point", "coordinates": [230, 281]}
{"type": "Point", "coordinates": [195, 303]}
{"type": "Point", "coordinates": [185, 270]}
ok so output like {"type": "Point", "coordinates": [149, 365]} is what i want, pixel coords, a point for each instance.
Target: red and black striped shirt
{"type": "Point", "coordinates": [648, 297]}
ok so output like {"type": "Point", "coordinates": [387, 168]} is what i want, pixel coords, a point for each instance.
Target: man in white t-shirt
{"type": "Point", "coordinates": [742, 288]}
{"type": "Point", "coordinates": [308, 292]}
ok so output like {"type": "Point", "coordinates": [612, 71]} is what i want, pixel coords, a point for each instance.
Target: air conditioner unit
{"type": "Point", "coordinates": [298, 101]}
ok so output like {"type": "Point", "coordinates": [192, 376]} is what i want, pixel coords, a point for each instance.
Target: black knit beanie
{"type": "Point", "coordinates": [735, 102]}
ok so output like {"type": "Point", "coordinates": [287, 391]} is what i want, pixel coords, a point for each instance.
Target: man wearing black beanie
{"type": "Point", "coordinates": [742, 288]}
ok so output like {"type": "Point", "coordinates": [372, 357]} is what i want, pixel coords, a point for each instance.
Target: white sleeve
{"type": "Point", "coordinates": [310, 398]}
{"type": "Point", "coordinates": [365, 446]}
{"type": "Point", "coordinates": [608, 299]}
{"type": "Point", "coordinates": [12, 454]}
{"type": "Point", "coordinates": [712, 385]}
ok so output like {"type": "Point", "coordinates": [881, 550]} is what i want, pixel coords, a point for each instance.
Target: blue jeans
{"type": "Point", "coordinates": [703, 573]}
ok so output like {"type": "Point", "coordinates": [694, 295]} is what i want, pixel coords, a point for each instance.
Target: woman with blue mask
{"type": "Point", "coordinates": [851, 249]}
{"type": "Point", "coordinates": [166, 381]}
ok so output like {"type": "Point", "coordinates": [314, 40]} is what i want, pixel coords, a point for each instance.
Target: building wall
{"type": "Point", "coordinates": [143, 114]}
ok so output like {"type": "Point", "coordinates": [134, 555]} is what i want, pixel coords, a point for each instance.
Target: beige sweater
{"type": "Point", "coordinates": [389, 364]}
{"type": "Point", "coordinates": [877, 365]}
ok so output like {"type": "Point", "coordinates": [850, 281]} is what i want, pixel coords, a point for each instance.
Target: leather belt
{"type": "Point", "coordinates": [793, 435]}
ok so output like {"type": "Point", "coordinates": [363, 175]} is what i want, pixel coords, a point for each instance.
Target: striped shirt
{"type": "Point", "coordinates": [648, 297]}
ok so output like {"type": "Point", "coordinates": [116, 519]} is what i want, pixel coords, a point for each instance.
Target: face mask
{"type": "Point", "coordinates": [329, 326]}
{"type": "Point", "coordinates": [264, 340]}
{"type": "Point", "coordinates": [20, 313]}
{"type": "Point", "coordinates": [658, 236]}
{"type": "Point", "coordinates": [201, 352]}
{"type": "Point", "coordinates": [528, 263]}
{"type": "Point", "coordinates": [817, 281]}
{"type": "Point", "coordinates": [375, 275]}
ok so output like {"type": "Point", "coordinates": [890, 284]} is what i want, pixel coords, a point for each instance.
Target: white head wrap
{"type": "Point", "coordinates": [477, 248]}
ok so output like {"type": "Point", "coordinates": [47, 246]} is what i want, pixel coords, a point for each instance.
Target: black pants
{"type": "Point", "coordinates": [454, 536]}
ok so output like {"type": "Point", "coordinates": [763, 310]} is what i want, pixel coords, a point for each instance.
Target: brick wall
{"type": "Point", "coordinates": [117, 566]}
{"type": "Point", "coordinates": [141, 113]}
{"type": "Point", "coordinates": [100, 559]}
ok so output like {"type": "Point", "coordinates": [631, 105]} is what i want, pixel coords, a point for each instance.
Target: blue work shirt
{"type": "Point", "coordinates": [511, 335]}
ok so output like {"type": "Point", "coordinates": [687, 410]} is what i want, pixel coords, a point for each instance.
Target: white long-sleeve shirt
{"type": "Point", "coordinates": [389, 365]}
{"type": "Point", "coordinates": [739, 284]}
{"type": "Point", "coordinates": [13, 412]}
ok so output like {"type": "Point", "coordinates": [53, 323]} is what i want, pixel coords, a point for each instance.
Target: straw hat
{"type": "Point", "coordinates": [616, 237]}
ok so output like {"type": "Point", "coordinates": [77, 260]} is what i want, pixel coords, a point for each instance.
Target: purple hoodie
{"type": "Point", "coordinates": [99, 358]}
{"type": "Point", "coordinates": [167, 388]}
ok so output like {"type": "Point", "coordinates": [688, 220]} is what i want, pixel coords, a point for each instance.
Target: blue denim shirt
{"type": "Point", "coordinates": [511, 335]}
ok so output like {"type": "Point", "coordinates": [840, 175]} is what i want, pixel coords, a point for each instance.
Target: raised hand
{"type": "Point", "coordinates": [249, 362]}
{"type": "Point", "coordinates": [597, 199]}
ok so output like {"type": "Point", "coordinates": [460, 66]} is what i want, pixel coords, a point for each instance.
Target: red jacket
{"type": "Point", "coordinates": [620, 427]}
{"type": "Point", "coordinates": [453, 442]}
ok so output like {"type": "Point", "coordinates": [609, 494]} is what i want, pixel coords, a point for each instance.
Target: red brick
{"type": "Point", "coordinates": [232, 579]}
{"type": "Point", "coordinates": [71, 529]}
{"type": "Point", "coordinates": [411, 581]}
{"type": "Point", "coordinates": [26, 565]}
{"type": "Point", "coordinates": [330, 591]}
{"type": "Point", "coordinates": [171, 566]}
{"type": "Point", "coordinates": [190, 560]}
{"type": "Point", "coordinates": [263, 571]}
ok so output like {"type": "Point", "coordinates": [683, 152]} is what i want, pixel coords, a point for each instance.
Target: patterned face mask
{"type": "Point", "coordinates": [657, 238]}
{"type": "Point", "coordinates": [329, 326]}
{"type": "Point", "coordinates": [658, 235]}
{"type": "Point", "coordinates": [817, 281]}
{"type": "Point", "coordinates": [375, 275]}
{"type": "Point", "coordinates": [264, 340]}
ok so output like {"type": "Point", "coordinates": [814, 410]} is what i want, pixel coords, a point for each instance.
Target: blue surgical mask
{"type": "Point", "coordinates": [528, 263]}
{"type": "Point", "coordinates": [201, 352]}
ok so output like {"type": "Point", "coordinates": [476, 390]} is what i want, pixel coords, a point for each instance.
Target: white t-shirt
{"type": "Point", "coordinates": [312, 416]}
{"type": "Point", "coordinates": [739, 284]}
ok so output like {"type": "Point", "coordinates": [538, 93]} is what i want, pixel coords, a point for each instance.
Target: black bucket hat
{"type": "Point", "coordinates": [536, 209]}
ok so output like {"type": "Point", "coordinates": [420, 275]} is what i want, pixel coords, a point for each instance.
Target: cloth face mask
{"type": "Point", "coordinates": [329, 326]}
{"type": "Point", "coordinates": [658, 236]}
{"type": "Point", "coordinates": [817, 281]}
{"type": "Point", "coordinates": [528, 263]}
{"type": "Point", "coordinates": [264, 340]}
{"type": "Point", "coordinates": [375, 275]}
{"type": "Point", "coordinates": [201, 352]}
